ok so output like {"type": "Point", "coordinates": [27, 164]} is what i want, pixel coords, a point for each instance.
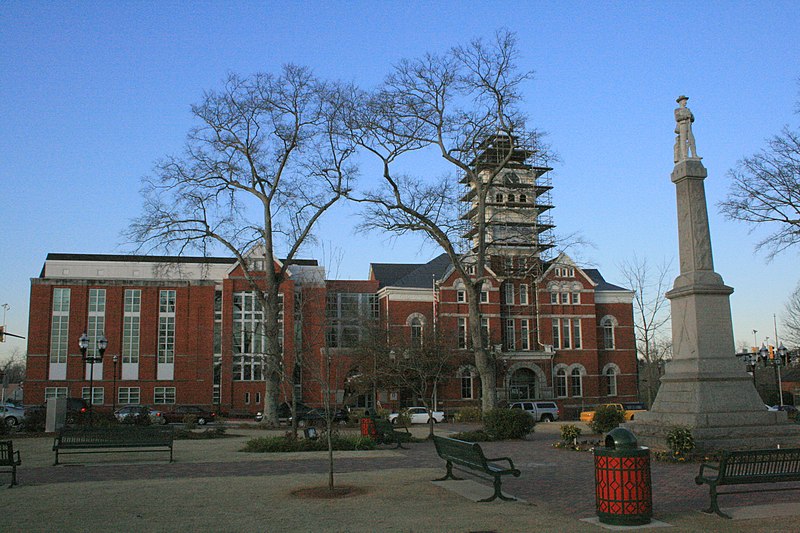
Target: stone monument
{"type": "Point", "coordinates": [705, 387]}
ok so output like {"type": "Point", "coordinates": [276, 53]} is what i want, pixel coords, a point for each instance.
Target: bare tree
{"type": "Point", "coordinates": [791, 319]}
{"type": "Point", "coordinates": [765, 191]}
{"type": "Point", "coordinates": [13, 368]}
{"type": "Point", "coordinates": [651, 318]}
{"type": "Point", "coordinates": [463, 105]}
{"type": "Point", "coordinates": [265, 163]}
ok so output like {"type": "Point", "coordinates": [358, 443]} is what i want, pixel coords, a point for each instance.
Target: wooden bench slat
{"type": "Point", "coordinates": [107, 440]}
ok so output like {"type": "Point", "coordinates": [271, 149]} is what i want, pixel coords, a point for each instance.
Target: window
{"type": "Point", "coordinates": [485, 333]}
{"type": "Point", "coordinates": [523, 198]}
{"type": "Point", "coordinates": [258, 398]}
{"type": "Point", "coordinates": [510, 197]}
{"type": "Point", "coordinates": [416, 332]}
{"type": "Point", "coordinates": [55, 392]}
{"type": "Point", "coordinates": [556, 333]}
{"type": "Point", "coordinates": [466, 384]}
{"type": "Point", "coordinates": [498, 198]}
{"type": "Point", "coordinates": [462, 332]}
{"type": "Point", "coordinates": [565, 298]}
{"type": "Point", "coordinates": [611, 381]}
{"type": "Point", "coordinates": [523, 294]}
{"type": "Point", "coordinates": [96, 325]}
{"type": "Point", "coordinates": [164, 395]}
{"type": "Point", "coordinates": [98, 396]}
{"type": "Point", "coordinates": [249, 336]}
{"type": "Point", "coordinates": [524, 334]}
{"type": "Point", "coordinates": [484, 296]}
{"type": "Point", "coordinates": [511, 341]}
{"type": "Point", "coordinates": [576, 297]}
{"type": "Point", "coordinates": [561, 383]}
{"type": "Point", "coordinates": [131, 326]}
{"type": "Point", "coordinates": [565, 337]}
{"type": "Point", "coordinates": [166, 327]}
{"type": "Point", "coordinates": [59, 327]}
{"type": "Point", "coordinates": [608, 324]}
{"type": "Point", "coordinates": [129, 395]}
{"type": "Point", "coordinates": [576, 333]}
{"type": "Point", "coordinates": [576, 383]}
{"type": "Point", "coordinates": [553, 297]}
{"type": "Point", "coordinates": [461, 296]}
{"type": "Point", "coordinates": [346, 312]}
{"type": "Point", "coordinates": [247, 398]}
{"type": "Point", "coordinates": [508, 289]}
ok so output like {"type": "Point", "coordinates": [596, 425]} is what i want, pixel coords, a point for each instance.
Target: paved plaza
{"type": "Point", "coordinates": [212, 486]}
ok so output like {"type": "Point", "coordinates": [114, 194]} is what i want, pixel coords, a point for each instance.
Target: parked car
{"type": "Point", "coordinates": [76, 409]}
{"type": "Point", "coordinates": [285, 411]}
{"type": "Point", "coordinates": [540, 411]}
{"type": "Point", "coordinates": [418, 415]}
{"type": "Point", "coordinates": [791, 410]}
{"type": "Point", "coordinates": [180, 412]}
{"type": "Point", "coordinates": [588, 416]}
{"type": "Point", "coordinates": [129, 413]}
{"type": "Point", "coordinates": [12, 415]}
{"type": "Point", "coordinates": [315, 416]}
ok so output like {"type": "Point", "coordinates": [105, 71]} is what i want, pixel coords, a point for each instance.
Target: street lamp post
{"type": "Point", "coordinates": [777, 362]}
{"type": "Point", "coordinates": [83, 344]}
{"type": "Point", "coordinates": [114, 398]}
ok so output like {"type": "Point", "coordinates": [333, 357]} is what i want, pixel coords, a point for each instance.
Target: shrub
{"type": "Point", "coordinates": [289, 444]}
{"type": "Point", "coordinates": [403, 419]}
{"type": "Point", "coordinates": [680, 440]}
{"type": "Point", "coordinates": [473, 436]}
{"type": "Point", "coordinates": [190, 421]}
{"type": "Point", "coordinates": [570, 433]}
{"type": "Point", "coordinates": [504, 424]}
{"type": "Point", "coordinates": [34, 420]}
{"type": "Point", "coordinates": [469, 414]}
{"type": "Point", "coordinates": [606, 418]}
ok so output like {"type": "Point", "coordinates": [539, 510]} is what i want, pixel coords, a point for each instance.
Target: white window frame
{"type": "Point", "coordinates": [511, 336]}
{"type": "Point", "coordinates": [486, 332]}
{"type": "Point", "coordinates": [59, 326]}
{"type": "Point", "coordinates": [561, 383]}
{"type": "Point", "coordinates": [164, 395]}
{"type": "Point", "coordinates": [129, 395]}
{"type": "Point", "coordinates": [55, 392]}
{"type": "Point", "coordinates": [610, 375]}
{"type": "Point", "coordinates": [131, 326]}
{"type": "Point", "coordinates": [508, 293]}
{"type": "Point", "coordinates": [96, 326]}
{"type": "Point", "coordinates": [462, 332]}
{"type": "Point", "coordinates": [167, 301]}
{"type": "Point", "coordinates": [523, 294]}
{"type": "Point", "coordinates": [524, 334]}
{"type": "Point", "coordinates": [467, 384]}
{"type": "Point", "coordinates": [576, 385]}
{"type": "Point", "coordinates": [576, 298]}
{"type": "Point", "coordinates": [98, 395]}
{"type": "Point", "coordinates": [461, 296]}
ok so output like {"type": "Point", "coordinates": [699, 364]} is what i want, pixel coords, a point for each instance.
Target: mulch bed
{"type": "Point", "coordinates": [339, 491]}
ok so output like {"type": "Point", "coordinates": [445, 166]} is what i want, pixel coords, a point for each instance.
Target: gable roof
{"type": "Point", "coordinates": [419, 275]}
{"type": "Point", "coordinates": [602, 284]}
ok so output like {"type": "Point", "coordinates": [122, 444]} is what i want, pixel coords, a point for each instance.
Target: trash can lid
{"type": "Point", "coordinates": [620, 438]}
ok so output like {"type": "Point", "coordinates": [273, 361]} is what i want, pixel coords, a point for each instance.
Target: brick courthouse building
{"type": "Point", "coordinates": [186, 330]}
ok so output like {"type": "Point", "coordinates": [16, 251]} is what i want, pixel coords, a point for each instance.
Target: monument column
{"type": "Point", "coordinates": [704, 387]}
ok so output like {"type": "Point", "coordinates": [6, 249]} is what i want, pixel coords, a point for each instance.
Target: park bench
{"type": "Point", "coordinates": [114, 439]}
{"type": "Point", "coordinates": [386, 433]}
{"type": "Point", "coordinates": [10, 458]}
{"type": "Point", "coordinates": [469, 456]}
{"type": "Point", "coordinates": [747, 467]}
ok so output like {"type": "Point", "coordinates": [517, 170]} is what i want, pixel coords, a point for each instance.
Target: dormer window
{"type": "Point", "coordinates": [523, 199]}
{"type": "Point", "coordinates": [498, 198]}
{"type": "Point", "coordinates": [511, 198]}
{"type": "Point", "coordinates": [511, 178]}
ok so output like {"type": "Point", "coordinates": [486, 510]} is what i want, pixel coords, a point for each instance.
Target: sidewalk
{"type": "Point", "coordinates": [214, 487]}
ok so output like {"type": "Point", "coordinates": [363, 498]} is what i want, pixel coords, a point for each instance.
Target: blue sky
{"type": "Point", "coordinates": [93, 93]}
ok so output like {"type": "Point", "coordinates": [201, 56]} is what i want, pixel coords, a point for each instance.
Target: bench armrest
{"type": "Point", "coordinates": [700, 478]}
{"type": "Point", "coordinates": [18, 459]}
{"type": "Point", "coordinates": [510, 462]}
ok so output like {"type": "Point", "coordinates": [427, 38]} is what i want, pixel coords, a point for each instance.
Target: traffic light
{"type": "Point", "coordinates": [2, 334]}
{"type": "Point", "coordinates": [771, 352]}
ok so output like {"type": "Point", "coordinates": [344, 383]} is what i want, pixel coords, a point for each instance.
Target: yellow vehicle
{"type": "Point", "coordinates": [629, 410]}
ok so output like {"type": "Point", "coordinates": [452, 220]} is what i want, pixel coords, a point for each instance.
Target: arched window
{"type": "Point", "coordinates": [466, 375]}
{"type": "Point", "coordinates": [523, 198]}
{"type": "Point", "coordinates": [608, 323]}
{"type": "Point", "coordinates": [611, 381]}
{"type": "Point", "coordinates": [416, 324]}
{"type": "Point", "coordinates": [561, 383]}
{"type": "Point", "coordinates": [576, 383]}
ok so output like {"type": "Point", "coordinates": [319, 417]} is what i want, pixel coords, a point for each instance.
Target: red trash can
{"type": "Point", "coordinates": [623, 488]}
{"type": "Point", "coordinates": [368, 428]}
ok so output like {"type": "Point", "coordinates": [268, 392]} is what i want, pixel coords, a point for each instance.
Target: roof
{"type": "Point", "coordinates": [419, 275]}
{"type": "Point", "coordinates": [602, 284]}
{"type": "Point", "coordinates": [160, 259]}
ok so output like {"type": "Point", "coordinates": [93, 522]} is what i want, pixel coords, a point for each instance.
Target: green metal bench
{"type": "Point", "coordinates": [386, 433]}
{"type": "Point", "coordinates": [10, 458]}
{"type": "Point", "coordinates": [469, 455]}
{"type": "Point", "coordinates": [114, 439]}
{"type": "Point", "coordinates": [749, 466]}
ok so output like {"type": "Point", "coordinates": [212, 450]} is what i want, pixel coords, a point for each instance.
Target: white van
{"type": "Point", "coordinates": [540, 411]}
